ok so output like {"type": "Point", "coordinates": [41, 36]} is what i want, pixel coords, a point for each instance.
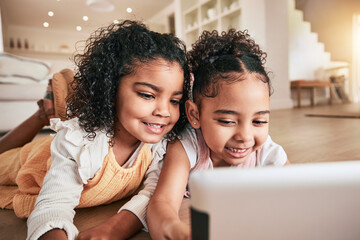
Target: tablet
{"type": "Point", "coordinates": [299, 201]}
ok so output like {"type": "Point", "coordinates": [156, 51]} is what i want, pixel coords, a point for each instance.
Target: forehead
{"type": "Point", "coordinates": [160, 74]}
{"type": "Point", "coordinates": [249, 94]}
{"type": "Point", "coordinates": [156, 65]}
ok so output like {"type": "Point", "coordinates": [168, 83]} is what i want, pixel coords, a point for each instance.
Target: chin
{"type": "Point", "coordinates": [239, 161]}
{"type": "Point", "coordinates": [236, 161]}
{"type": "Point", "coordinates": [152, 140]}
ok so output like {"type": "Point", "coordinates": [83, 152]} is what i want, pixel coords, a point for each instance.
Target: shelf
{"type": "Point", "coordinates": [200, 15]}
{"type": "Point", "coordinates": [191, 9]}
{"type": "Point", "coordinates": [231, 20]}
{"type": "Point", "coordinates": [36, 52]}
{"type": "Point", "coordinates": [226, 5]}
{"type": "Point", "coordinates": [188, 5]}
{"type": "Point", "coordinates": [209, 21]}
{"type": "Point", "coordinates": [192, 29]}
{"type": "Point", "coordinates": [230, 11]}
{"type": "Point", "coordinates": [202, 2]}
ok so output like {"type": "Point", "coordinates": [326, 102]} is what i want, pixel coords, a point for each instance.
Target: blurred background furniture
{"type": "Point", "coordinates": [310, 84]}
{"type": "Point", "coordinates": [23, 82]}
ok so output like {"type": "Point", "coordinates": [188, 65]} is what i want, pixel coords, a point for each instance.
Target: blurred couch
{"type": "Point", "coordinates": [23, 82]}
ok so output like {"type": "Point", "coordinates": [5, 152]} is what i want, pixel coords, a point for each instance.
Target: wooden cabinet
{"type": "Point", "coordinates": [200, 15]}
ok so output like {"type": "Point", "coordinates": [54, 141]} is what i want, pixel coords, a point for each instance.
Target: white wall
{"type": "Point", "coordinates": [253, 17]}
{"type": "Point", "coordinates": [1, 35]}
{"type": "Point", "coordinates": [277, 47]}
{"type": "Point", "coordinates": [267, 22]}
{"type": "Point", "coordinates": [159, 22]}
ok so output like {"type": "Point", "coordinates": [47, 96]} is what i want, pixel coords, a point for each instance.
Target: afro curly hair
{"type": "Point", "coordinates": [111, 53]}
{"type": "Point", "coordinates": [214, 56]}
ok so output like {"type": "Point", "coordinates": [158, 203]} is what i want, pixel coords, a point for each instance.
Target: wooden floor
{"type": "Point", "coordinates": [305, 139]}
{"type": "Point", "coordinates": [317, 139]}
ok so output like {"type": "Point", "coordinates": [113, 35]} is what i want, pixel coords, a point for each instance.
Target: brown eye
{"type": "Point", "coordinates": [226, 122]}
{"type": "Point", "coordinates": [146, 96]}
{"type": "Point", "coordinates": [175, 102]}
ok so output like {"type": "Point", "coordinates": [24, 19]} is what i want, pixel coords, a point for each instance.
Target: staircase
{"type": "Point", "coordinates": [307, 57]}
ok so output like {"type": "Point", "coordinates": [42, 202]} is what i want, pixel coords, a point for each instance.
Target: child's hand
{"type": "Point", "coordinates": [177, 230]}
{"type": "Point", "coordinates": [98, 232]}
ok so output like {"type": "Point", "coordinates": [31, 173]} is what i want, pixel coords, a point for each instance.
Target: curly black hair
{"type": "Point", "coordinates": [214, 56]}
{"type": "Point", "coordinates": [110, 54]}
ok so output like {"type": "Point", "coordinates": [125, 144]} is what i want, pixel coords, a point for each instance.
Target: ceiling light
{"type": "Point", "coordinates": [85, 18]}
{"type": "Point", "coordinates": [46, 24]}
{"type": "Point", "coordinates": [129, 10]}
{"type": "Point", "coordinates": [100, 5]}
{"type": "Point", "coordinates": [78, 28]}
{"type": "Point", "coordinates": [51, 13]}
{"type": "Point", "coordinates": [116, 21]}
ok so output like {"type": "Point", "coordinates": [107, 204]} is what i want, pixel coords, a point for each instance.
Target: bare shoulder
{"type": "Point", "coordinates": [176, 152]}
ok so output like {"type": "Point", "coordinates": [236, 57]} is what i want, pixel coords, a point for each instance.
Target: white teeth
{"type": "Point", "coordinates": [153, 125]}
{"type": "Point", "coordinates": [236, 150]}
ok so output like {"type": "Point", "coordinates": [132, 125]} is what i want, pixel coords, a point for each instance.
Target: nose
{"type": "Point", "coordinates": [162, 108]}
{"type": "Point", "coordinates": [244, 133]}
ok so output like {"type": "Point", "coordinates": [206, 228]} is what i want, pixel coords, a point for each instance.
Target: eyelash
{"type": "Point", "coordinates": [231, 122]}
{"type": "Point", "coordinates": [260, 122]}
{"type": "Point", "coordinates": [225, 122]}
{"type": "Point", "coordinates": [147, 96]}
{"type": "Point", "coordinates": [175, 102]}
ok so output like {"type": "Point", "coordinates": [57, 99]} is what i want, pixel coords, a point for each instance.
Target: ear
{"type": "Point", "coordinates": [192, 113]}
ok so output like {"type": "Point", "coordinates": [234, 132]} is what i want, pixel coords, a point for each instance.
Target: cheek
{"type": "Point", "coordinates": [261, 136]}
{"type": "Point", "coordinates": [127, 111]}
{"type": "Point", "coordinates": [174, 114]}
{"type": "Point", "coordinates": [215, 136]}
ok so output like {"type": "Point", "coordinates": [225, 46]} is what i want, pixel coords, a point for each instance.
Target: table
{"type": "Point", "coordinates": [310, 84]}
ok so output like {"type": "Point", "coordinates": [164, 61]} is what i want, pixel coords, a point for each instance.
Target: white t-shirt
{"type": "Point", "coordinates": [269, 153]}
{"type": "Point", "coordinates": [77, 159]}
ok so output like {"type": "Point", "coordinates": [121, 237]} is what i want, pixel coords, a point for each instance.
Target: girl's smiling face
{"type": "Point", "coordinates": [235, 123]}
{"type": "Point", "coordinates": [148, 101]}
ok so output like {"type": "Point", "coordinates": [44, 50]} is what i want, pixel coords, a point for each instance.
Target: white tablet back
{"type": "Point", "coordinates": [300, 201]}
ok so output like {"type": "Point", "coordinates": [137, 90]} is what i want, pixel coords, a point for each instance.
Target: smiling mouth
{"type": "Point", "coordinates": [154, 125]}
{"type": "Point", "coordinates": [155, 128]}
{"type": "Point", "coordinates": [237, 150]}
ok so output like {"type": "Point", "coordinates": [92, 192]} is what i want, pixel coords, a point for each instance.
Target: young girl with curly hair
{"type": "Point", "coordinates": [228, 123]}
{"type": "Point", "coordinates": [124, 104]}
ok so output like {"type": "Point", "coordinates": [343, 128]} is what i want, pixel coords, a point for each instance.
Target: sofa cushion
{"type": "Point", "coordinates": [22, 92]}
{"type": "Point", "coordinates": [16, 69]}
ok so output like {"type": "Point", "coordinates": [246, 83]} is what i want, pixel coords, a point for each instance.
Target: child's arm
{"type": "Point", "coordinates": [120, 226]}
{"type": "Point", "coordinates": [23, 133]}
{"type": "Point", "coordinates": [55, 234]}
{"type": "Point", "coordinates": [163, 217]}
{"type": "Point", "coordinates": [59, 195]}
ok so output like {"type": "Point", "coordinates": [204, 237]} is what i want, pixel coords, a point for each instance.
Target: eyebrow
{"type": "Point", "coordinates": [155, 88]}
{"type": "Point", "coordinates": [223, 111]}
